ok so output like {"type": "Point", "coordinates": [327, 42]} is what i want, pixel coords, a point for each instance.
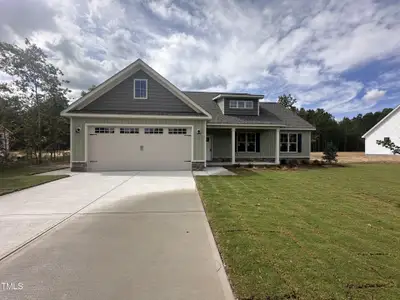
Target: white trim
{"type": "Point", "coordinates": [134, 89]}
{"type": "Point", "coordinates": [246, 142]}
{"type": "Point", "coordinates": [124, 74]}
{"type": "Point", "coordinates": [236, 102]}
{"type": "Point", "coordinates": [288, 142]}
{"type": "Point", "coordinates": [258, 108]}
{"type": "Point", "coordinates": [79, 161]}
{"type": "Point", "coordinates": [238, 96]}
{"type": "Point", "coordinates": [205, 145]}
{"type": "Point", "coordinates": [245, 125]}
{"type": "Point", "coordinates": [118, 116]}
{"type": "Point", "coordinates": [302, 129]}
{"type": "Point", "coordinates": [87, 125]}
{"type": "Point", "coordinates": [70, 142]}
{"type": "Point", "coordinates": [198, 160]}
{"type": "Point", "coordinates": [381, 122]}
{"type": "Point", "coordinates": [233, 152]}
{"type": "Point", "coordinates": [277, 146]}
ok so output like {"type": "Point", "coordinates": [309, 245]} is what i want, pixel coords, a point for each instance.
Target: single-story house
{"type": "Point", "coordinates": [138, 120]}
{"type": "Point", "coordinates": [4, 139]}
{"type": "Point", "coordinates": [387, 128]}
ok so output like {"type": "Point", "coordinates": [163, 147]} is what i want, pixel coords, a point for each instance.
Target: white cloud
{"type": "Point", "coordinates": [373, 95]}
{"type": "Point", "coordinates": [299, 47]}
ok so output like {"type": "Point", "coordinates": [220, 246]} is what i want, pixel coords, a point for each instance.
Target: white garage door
{"type": "Point", "coordinates": [139, 148]}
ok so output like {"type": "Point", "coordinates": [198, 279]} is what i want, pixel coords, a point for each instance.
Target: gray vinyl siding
{"type": "Point", "coordinates": [241, 111]}
{"type": "Point", "coordinates": [222, 144]}
{"type": "Point", "coordinates": [78, 139]}
{"type": "Point", "coordinates": [120, 98]}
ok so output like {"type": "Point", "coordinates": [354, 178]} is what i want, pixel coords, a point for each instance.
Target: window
{"type": "Point", "coordinates": [242, 104]}
{"type": "Point", "coordinates": [177, 130]}
{"type": "Point", "coordinates": [103, 130]}
{"type": "Point", "coordinates": [129, 130]}
{"type": "Point", "coordinates": [289, 142]}
{"type": "Point", "coordinates": [246, 142]}
{"type": "Point", "coordinates": [386, 139]}
{"type": "Point", "coordinates": [153, 131]}
{"type": "Point", "coordinates": [140, 88]}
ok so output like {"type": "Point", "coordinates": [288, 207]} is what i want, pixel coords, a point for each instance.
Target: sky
{"type": "Point", "coordinates": [343, 56]}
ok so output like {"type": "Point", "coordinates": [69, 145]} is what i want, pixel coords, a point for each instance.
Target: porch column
{"type": "Point", "coordinates": [233, 145]}
{"type": "Point", "coordinates": [277, 146]}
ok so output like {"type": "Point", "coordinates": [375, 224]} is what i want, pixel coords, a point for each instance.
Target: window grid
{"type": "Point", "coordinates": [288, 142]}
{"type": "Point", "coordinates": [153, 131]}
{"type": "Point", "coordinates": [129, 130]}
{"type": "Point", "coordinates": [140, 88]}
{"type": "Point", "coordinates": [177, 130]}
{"type": "Point", "coordinates": [242, 104]}
{"type": "Point", "coordinates": [103, 130]}
{"type": "Point", "coordinates": [246, 142]}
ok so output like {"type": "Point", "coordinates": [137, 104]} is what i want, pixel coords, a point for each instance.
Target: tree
{"type": "Point", "coordinates": [36, 80]}
{"type": "Point", "coordinates": [330, 153]}
{"type": "Point", "coordinates": [288, 101]}
{"type": "Point", "coordinates": [387, 143]}
{"type": "Point", "coordinates": [91, 88]}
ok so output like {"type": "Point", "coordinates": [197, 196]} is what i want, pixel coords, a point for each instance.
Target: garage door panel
{"type": "Point", "coordinates": [134, 150]}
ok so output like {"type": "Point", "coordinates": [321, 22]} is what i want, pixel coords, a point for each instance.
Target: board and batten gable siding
{"type": "Point", "coordinates": [241, 111]}
{"type": "Point", "coordinates": [388, 128]}
{"type": "Point", "coordinates": [78, 139]}
{"type": "Point", "coordinates": [120, 98]}
{"type": "Point", "coordinates": [222, 144]}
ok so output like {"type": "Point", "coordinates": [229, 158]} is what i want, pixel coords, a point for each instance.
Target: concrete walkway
{"type": "Point", "coordinates": [122, 236]}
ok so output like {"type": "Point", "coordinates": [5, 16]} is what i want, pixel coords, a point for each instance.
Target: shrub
{"type": "Point", "coordinates": [293, 163]}
{"type": "Point", "coordinates": [250, 165]}
{"type": "Point", "coordinates": [284, 162]}
{"type": "Point", "coordinates": [305, 161]}
{"type": "Point", "coordinates": [316, 162]}
{"type": "Point", "coordinates": [236, 166]}
{"type": "Point", "coordinates": [330, 153]}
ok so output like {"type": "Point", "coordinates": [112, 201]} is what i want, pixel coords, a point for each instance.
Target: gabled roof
{"type": "Point", "coordinates": [271, 113]}
{"type": "Point", "coordinates": [385, 119]}
{"type": "Point", "coordinates": [121, 76]}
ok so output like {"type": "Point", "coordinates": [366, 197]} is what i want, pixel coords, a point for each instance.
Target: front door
{"type": "Point", "coordinates": [209, 147]}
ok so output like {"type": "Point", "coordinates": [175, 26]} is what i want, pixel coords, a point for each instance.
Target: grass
{"type": "Point", "coordinates": [329, 233]}
{"type": "Point", "coordinates": [21, 177]}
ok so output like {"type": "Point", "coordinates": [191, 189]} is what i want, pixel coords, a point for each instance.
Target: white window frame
{"type": "Point", "coordinates": [176, 131]}
{"type": "Point", "coordinates": [246, 142]}
{"type": "Point", "coordinates": [241, 104]}
{"type": "Point", "coordinates": [289, 142]}
{"type": "Point", "coordinates": [154, 130]}
{"type": "Point", "coordinates": [134, 88]}
{"type": "Point", "coordinates": [129, 130]}
{"type": "Point", "coordinates": [104, 130]}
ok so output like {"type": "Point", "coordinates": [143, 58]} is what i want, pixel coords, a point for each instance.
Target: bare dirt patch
{"type": "Point", "coordinates": [360, 157]}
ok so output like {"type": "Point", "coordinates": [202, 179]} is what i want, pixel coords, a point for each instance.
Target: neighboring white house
{"type": "Point", "coordinates": [388, 127]}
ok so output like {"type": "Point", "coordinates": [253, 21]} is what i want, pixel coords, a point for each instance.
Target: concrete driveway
{"type": "Point", "coordinates": [125, 235]}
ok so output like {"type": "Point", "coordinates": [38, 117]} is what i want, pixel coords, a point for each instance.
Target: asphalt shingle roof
{"type": "Point", "coordinates": [270, 112]}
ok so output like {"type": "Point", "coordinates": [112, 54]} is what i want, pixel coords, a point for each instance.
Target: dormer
{"type": "Point", "coordinates": [239, 104]}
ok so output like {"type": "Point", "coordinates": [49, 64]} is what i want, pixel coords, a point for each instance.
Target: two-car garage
{"type": "Point", "coordinates": [120, 148]}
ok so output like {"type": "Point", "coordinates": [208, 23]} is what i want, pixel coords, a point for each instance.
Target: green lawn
{"type": "Point", "coordinates": [21, 177]}
{"type": "Point", "coordinates": [329, 233]}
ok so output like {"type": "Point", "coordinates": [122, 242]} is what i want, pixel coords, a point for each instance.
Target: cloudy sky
{"type": "Point", "coordinates": [343, 56]}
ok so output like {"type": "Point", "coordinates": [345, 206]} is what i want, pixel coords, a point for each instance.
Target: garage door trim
{"type": "Point", "coordinates": [87, 125]}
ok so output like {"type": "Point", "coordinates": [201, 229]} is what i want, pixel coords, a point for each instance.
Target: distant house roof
{"type": "Point", "coordinates": [271, 113]}
{"type": "Point", "coordinates": [385, 119]}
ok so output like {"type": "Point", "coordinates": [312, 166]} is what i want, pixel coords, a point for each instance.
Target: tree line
{"type": "Point", "coordinates": [345, 134]}
{"type": "Point", "coordinates": [30, 106]}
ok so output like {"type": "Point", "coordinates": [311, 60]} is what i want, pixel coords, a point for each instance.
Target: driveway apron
{"type": "Point", "coordinates": [144, 238]}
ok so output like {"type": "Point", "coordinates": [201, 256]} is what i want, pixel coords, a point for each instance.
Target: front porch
{"type": "Point", "coordinates": [241, 146]}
